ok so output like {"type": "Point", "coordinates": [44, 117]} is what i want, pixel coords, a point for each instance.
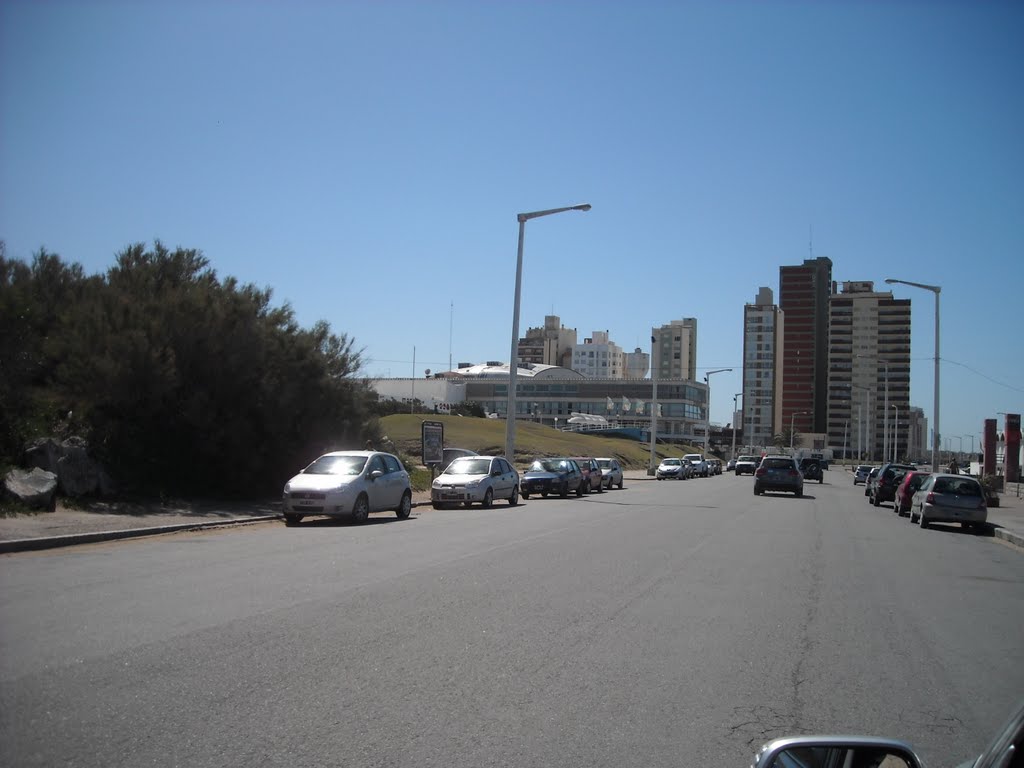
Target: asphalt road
{"type": "Point", "coordinates": [669, 624]}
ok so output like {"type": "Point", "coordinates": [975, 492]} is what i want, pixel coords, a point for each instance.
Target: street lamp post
{"type": "Point", "coordinates": [792, 420]}
{"type": "Point", "coordinates": [896, 434]}
{"type": "Point", "coordinates": [738, 394]}
{"type": "Point", "coordinates": [707, 431]}
{"type": "Point", "coordinates": [513, 360]}
{"type": "Point", "coordinates": [654, 404]}
{"type": "Point", "coordinates": [935, 405]}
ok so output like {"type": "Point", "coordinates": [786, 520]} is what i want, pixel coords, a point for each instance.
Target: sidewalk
{"type": "Point", "coordinates": [102, 521]}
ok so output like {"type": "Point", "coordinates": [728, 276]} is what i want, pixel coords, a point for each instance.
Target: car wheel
{"type": "Point", "coordinates": [876, 501]}
{"type": "Point", "coordinates": [564, 490]}
{"type": "Point", "coordinates": [405, 507]}
{"type": "Point", "coordinates": [543, 494]}
{"type": "Point", "coordinates": [600, 486]}
{"type": "Point", "coordinates": [757, 491]}
{"type": "Point", "coordinates": [922, 520]}
{"type": "Point", "coordinates": [290, 519]}
{"type": "Point", "coordinates": [526, 494]}
{"type": "Point", "coordinates": [659, 478]}
{"type": "Point", "coordinates": [361, 510]}
{"type": "Point", "coordinates": [488, 501]}
{"type": "Point", "coordinates": [514, 498]}
{"type": "Point", "coordinates": [438, 505]}
{"type": "Point", "coordinates": [583, 488]}
{"type": "Point", "coordinates": [799, 492]}
{"type": "Point", "coordinates": [621, 483]}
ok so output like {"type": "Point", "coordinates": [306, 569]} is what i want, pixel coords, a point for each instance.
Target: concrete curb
{"type": "Point", "coordinates": [71, 539]}
{"type": "Point", "coordinates": [1010, 536]}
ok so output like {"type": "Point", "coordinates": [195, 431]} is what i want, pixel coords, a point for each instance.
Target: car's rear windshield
{"type": "Point", "coordinates": [605, 463]}
{"type": "Point", "coordinates": [336, 465]}
{"type": "Point", "coordinates": [469, 466]}
{"type": "Point", "coordinates": [960, 487]}
{"type": "Point", "coordinates": [745, 458]}
{"type": "Point", "coordinates": [778, 463]}
{"type": "Point", "coordinates": [672, 462]}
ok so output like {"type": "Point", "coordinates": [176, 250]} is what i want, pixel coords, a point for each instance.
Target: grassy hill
{"type": "Point", "coordinates": [488, 436]}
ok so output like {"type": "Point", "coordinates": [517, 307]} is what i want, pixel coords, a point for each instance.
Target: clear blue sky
{"type": "Point", "coordinates": [366, 161]}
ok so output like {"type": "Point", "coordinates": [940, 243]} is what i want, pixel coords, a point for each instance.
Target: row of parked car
{"type": "Point", "coordinates": [925, 497]}
{"type": "Point", "coordinates": [354, 484]}
{"type": "Point", "coordinates": [690, 465]}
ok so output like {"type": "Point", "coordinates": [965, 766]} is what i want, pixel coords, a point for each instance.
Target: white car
{"type": "Point", "coordinates": [698, 465]}
{"type": "Point", "coordinates": [348, 484]}
{"type": "Point", "coordinates": [611, 472]}
{"type": "Point", "coordinates": [475, 480]}
{"type": "Point", "coordinates": [672, 469]}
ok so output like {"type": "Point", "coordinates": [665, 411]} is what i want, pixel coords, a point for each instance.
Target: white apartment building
{"type": "Point", "coordinates": [869, 372]}
{"type": "Point", "coordinates": [674, 350]}
{"type": "Point", "coordinates": [599, 358]}
{"type": "Point", "coordinates": [637, 363]}
{"type": "Point", "coordinates": [763, 325]}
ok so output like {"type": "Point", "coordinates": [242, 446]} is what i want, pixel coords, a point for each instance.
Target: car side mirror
{"type": "Point", "coordinates": [497, 473]}
{"type": "Point", "coordinates": [375, 474]}
{"type": "Point", "coordinates": [825, 751]}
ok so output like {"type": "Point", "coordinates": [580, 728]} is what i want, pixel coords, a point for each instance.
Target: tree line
{"type": "Point", "coordinates": [182, 382]}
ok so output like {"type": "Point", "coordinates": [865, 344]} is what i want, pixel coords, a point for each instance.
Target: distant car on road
{"type": "Point", "coordinates": [348, 484]}
{"type": "Point", "coordinates": [812, 470]}
{"type": "Point", "coordinates": [872, 474]}
{"type": "Point", "coordinates": [884, 486]}
{"type": "Point", "coordinates": [672, 469]}
{"type": "Point", "coordinates": [475, 480]}
{"type": "Point", "coordinates": [908, 486]}
{"type": "Point", "coordinates": [698, 464]}
{"type": "Point", "coordinates": [731, 466]}
{"type": "Point", "coordinates": [547, 476]}
{"type": "Point", "coordinates": [592, 477]}
{"type": "Point", "coordinates": [860, 475]}
{"type": "Point", "coordinates": [611, 471]}
{"type": "Point", "coordinates": [778, 473]}
{"type": "Point", "coordinates": [745, 465]}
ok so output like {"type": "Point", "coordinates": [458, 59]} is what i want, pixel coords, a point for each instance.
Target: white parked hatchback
{"type": "Point", "coordinates": [349, 484]}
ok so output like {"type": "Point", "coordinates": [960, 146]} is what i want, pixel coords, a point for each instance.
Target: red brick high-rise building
{"type": "Point", "coordinates": [803, 296]}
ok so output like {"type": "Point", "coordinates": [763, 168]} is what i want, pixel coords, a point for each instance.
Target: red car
{"type": "Point", "coordinates": [905, 491]}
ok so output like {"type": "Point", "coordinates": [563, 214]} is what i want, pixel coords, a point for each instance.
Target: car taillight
{"type": "Point", "coordinates": [793, 473]}
{"type": "Point", "coordinates": [930, 498]}
{"type": "Point", "coordinates": [759, 471]}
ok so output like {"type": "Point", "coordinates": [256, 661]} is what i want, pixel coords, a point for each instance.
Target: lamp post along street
{"type": "Point", "coordinates": [936, 435]}
{"type": "Point", "coordinates": [896, 433]}
{"type": "Point", "coordinates": [738, 394]}
{"type": "Point", "coordinates": [654, 404]}
{"type": "Point", "coordinates": [513, 360]}
{"type": "Point", "coordinates": [707, 432]}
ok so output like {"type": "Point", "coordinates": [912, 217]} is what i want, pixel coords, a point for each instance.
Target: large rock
{"type": "Point", "coordinates": [77, 473]}
{"type": "Point", "coordinates": [35, 488]}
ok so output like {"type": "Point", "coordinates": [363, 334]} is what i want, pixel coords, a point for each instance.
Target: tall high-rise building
{"type": "Point", "coordinates": [637, 363]}
{"type": "Point", "coordinates": [550, 345]}
{"type": "Point", "coordinates": [804, 296]}
{"type": "Point", "coordinates": [763, 329]}
{"type": "Point", "coordinates": [598, 358]}
{"type": "Point", "coordinates": [675, 349]}
{"type": "Point", "coordinates": [869, 372]}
